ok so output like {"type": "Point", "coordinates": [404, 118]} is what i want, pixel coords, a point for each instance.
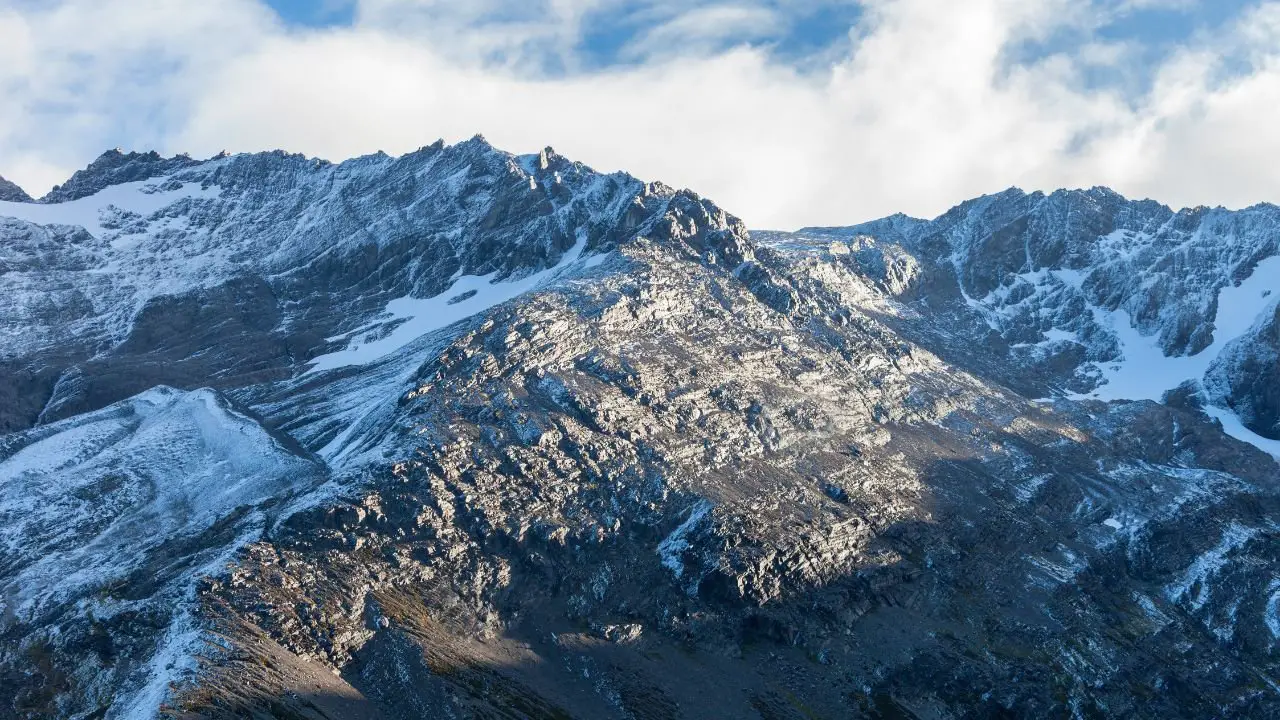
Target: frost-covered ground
{"type": "Point", "coordinates": [167, 486]}
{"type": "Point", "coordinates": [84, 501]}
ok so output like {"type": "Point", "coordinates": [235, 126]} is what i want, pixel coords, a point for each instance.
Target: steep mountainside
{"type": "Point", "coordinates": [467, 434]}
{"type": "Point", "coordinates": [12, 193]}
{"type": "Point", "coordinates": [1085, 292]}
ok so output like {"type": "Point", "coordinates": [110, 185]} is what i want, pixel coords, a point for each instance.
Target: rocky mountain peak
{"type": "Point", "coordinates": [115, 167]}
{"type": "Point", "coordinates": [10, 192]}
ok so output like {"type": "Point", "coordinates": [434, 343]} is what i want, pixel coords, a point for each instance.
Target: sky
{"type": "Point", "coordinates": [784, 112]}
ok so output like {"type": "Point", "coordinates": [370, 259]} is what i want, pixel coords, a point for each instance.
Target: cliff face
{"type": "Point", "coordinates": [497, 436]}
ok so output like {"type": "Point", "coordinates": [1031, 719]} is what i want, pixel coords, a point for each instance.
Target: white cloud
{"type": "Point", "coordinates": [704, 29]}
{"type": "Point", "coordinates": [925, 111]}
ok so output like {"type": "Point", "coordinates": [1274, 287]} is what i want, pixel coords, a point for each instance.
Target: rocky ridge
{"type": "Point", "coordinates": [10, 192]}
{"type": "Point", "coordinates": [640, 464]}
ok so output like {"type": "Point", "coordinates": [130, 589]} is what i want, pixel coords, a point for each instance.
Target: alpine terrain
{"type": "Point", "coordinates": [465, 434]}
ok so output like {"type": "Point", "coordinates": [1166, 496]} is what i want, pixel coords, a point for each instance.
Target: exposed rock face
{"type": "Point", "coordinates": [1246, 377]}
{"type": "Point", "coordinates": [10, 192]}
{"type": "Point", "coordinates": [498, 436]}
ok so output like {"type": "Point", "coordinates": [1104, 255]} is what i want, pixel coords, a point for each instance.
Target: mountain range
{"type": "Point", "coordinates": [478, 435]}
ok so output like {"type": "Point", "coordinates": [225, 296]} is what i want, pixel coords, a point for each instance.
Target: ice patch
{"type": "Point", "coordinates": [142, 197]}
{"type": "Point", "coordinates": [469, 295]}
{"type": "Point", "coordinates": [1113, 523]}
{"type": "Point", "coordinates": [672, 548]}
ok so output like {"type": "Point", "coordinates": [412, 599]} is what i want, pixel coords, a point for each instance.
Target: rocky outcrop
{"type": "Point", "coordinates": [1246, 377]}
{"type": "Point", "coordinates": [9, 192]}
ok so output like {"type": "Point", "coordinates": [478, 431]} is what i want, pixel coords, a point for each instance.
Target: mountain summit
{"type": "Point", "coordinates": [470, 434]}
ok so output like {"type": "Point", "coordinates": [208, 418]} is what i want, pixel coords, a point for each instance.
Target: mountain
{"type": "Point", "coordinates": [12, 193]}
{"type": "Point", "coordinates": [1090, 294]}
{"type": "Point", "coordinates": [469, 434]}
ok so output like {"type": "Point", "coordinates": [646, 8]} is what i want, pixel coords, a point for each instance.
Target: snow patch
{"type": "Point", "coordinates": [1232, 426]}
{"type": "Point", "coordinates": [469, 295]}
{"type": "Point", "coordinates": [1209, 564]}
{"type": "Point", "coordinates": [142, 197]}
{"type": "Point", "coordinates": [672, 548]}
{"type": "Point", "coordinates": [1146, 373]}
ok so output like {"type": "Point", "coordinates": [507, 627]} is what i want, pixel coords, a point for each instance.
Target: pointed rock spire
{"type": "Point", "coordinates": [546, 157]}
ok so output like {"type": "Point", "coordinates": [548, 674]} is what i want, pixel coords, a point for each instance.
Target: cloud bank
{"type": "Point", "coordinates": [923, 103]}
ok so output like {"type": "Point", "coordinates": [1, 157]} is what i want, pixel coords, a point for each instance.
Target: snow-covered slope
{"type": "Point", "coordinates": [83, 501]}
{"type": "Point", "coordinates": [114, 514]}
{"type": "Point", "coordinates": [242, 269]}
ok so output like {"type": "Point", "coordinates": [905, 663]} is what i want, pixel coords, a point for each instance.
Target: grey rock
{"type": "Point", "coordinates": [9, 192]}
{"type": "Point", "coordinates": [115, 167]}
{"type": "Point", "coordinates": [1246, 377]}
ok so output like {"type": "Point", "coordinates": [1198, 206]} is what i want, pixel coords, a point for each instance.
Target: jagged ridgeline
{"type": "Point", "coordinates": [469, 434]}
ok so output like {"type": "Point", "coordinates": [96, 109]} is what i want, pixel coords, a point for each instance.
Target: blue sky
{"type": "Point", "coordinates": [313, 13]}
{"type": "Point", "coordinates": [812, 28]}
{"type": "Point", "coordinates": [785, 112]}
